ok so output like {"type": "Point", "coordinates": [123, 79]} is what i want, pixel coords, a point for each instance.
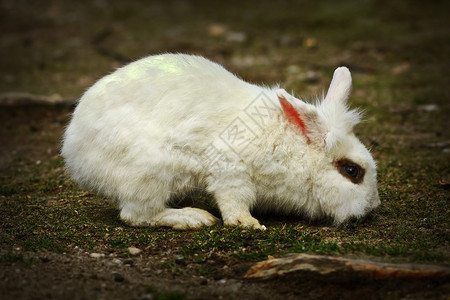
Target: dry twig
{"type": "Point", "coordinates": [325, 265]}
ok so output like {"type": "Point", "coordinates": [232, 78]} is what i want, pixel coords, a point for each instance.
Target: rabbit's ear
{"type": "Point", "coordinates": [301, 116]}
{"type": "Point", "coordinates": [340, 86]}
{"type": "Point", "coordinates": [334, 110]}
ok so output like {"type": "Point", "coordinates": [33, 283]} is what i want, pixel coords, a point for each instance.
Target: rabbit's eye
{"type": "Point", "coordinates": [350, 170]}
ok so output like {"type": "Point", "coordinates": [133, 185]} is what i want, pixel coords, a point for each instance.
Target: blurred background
{"type": "Point", "coordinates": [62, 47]}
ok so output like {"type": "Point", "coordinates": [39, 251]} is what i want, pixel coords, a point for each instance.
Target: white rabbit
{"type": "Point", "coordinates": [169, 124]}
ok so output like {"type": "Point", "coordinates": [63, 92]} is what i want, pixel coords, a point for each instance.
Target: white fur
{"type": "Point", "coordinates": [164, 125]}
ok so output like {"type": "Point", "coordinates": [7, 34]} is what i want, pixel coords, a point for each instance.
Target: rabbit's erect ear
{"type": "Point", "coordinates": [302, 116]}
{"type": "Point", "coordinates": [340, 86]}
{"type": "Point", "coordinates": [334, 110]}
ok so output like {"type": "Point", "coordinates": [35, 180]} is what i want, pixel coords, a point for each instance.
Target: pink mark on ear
{"type": "Point", "coordinates": [293, 116]}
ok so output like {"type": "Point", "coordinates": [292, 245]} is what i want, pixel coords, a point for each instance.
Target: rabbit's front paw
{"type": "Point", "coordinates": [244, 220]}
{"type": "Point", "coordinates": [185, 218]}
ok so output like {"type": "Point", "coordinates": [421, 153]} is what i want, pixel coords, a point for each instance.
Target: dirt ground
{"type": "Point", "coordinates": [102, 273]}
{"type": "Point", "coordinates": [58, 242]}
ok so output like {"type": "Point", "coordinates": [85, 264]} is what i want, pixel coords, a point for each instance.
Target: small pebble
{"type": "Point", "coordinates": [310, 43]}
{"type": "Point", "coordinates": [179, 260]}
{"type": "Point", "coordinates": [97, 255]}
{"type": "Point", "coordinates": [428, 107]}
{"type": "Point", "coordinates": [217, 30]}
{"type": "Point", "coordinates": [238, 37]}
{"type": "Point", "coordinates": [134, 251]}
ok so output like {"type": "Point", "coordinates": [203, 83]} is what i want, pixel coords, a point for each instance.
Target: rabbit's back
{"type": "Point", "coordinates": [140, 121]}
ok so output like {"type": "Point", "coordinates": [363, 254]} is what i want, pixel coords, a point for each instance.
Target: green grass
{"type": "Point", "coordinates": [85, 220]}
{"type": "Point", "coordinates": [404, 228]}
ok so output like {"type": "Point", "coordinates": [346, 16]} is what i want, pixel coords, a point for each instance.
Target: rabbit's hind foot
{"type": "Point", "coordinates": [184, 218]}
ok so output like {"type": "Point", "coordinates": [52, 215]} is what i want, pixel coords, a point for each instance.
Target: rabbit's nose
{"type": "Point", "coordinates": [375, 201]}
{"type": "Point", "coordinates": [378, 202]}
